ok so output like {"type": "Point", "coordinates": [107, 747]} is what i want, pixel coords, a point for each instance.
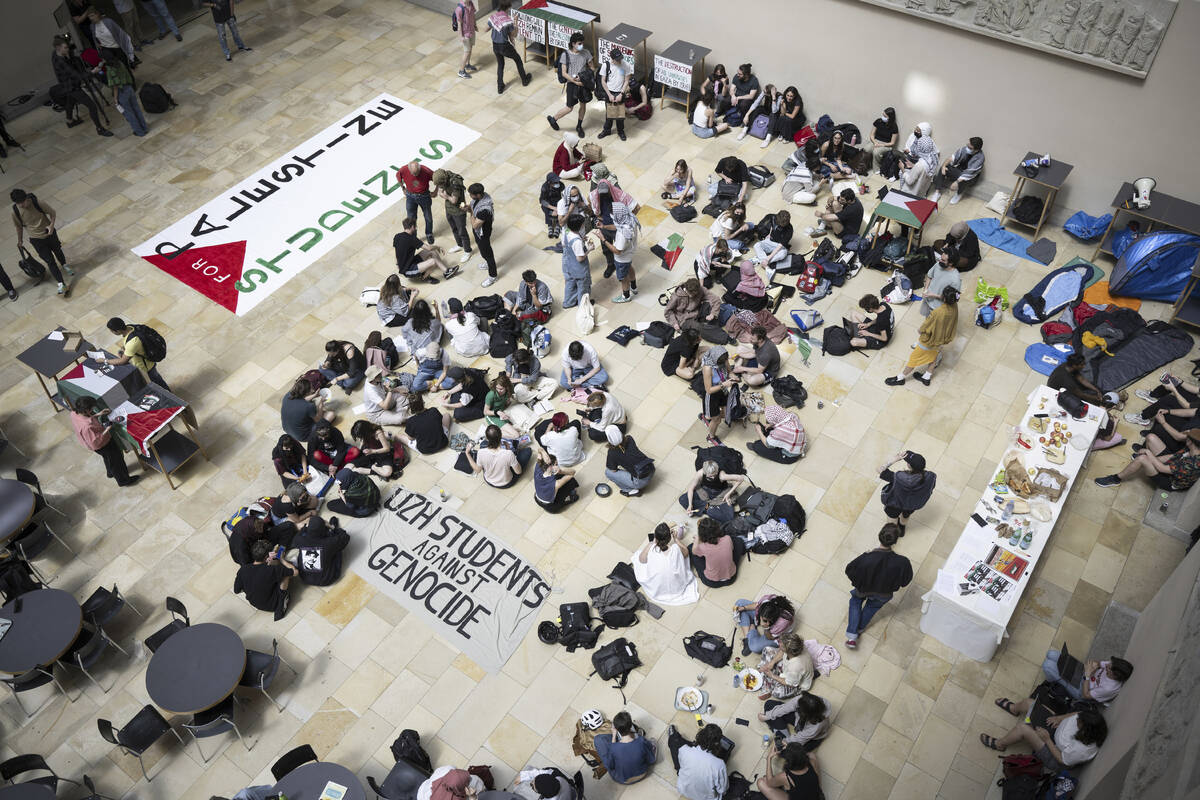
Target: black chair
{"type": "Point", "coordinates": [136, 736]}
{"type": "Point", "coordinates": [34, 540]}
{"type": "Point", "coordinates": [33, 679]}
{"type": "Point", "coordinates": [261, 669]}
{"type": "Point", "coordinates": [177, 610]}
{"type": "Point", "coordinates": [292, 759]}
{"type": "Point", "coordinates": [19, 765]}
{"type": "Point", "coordinates": [29, 479]}
{"type": "Point", "coordinates": [401, 783]}
{"type": "Point", "coordinates": [86, 651]}
{"type": "Point", "coordinates": [214, 722]}
{"type": "Point", "coordinates": [102, 606]}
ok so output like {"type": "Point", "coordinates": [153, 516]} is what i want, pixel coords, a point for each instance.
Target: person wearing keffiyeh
{"type": "Point", "coordinates": [919, 159]}
{"type": "Point", "coordinates": [781, 437]}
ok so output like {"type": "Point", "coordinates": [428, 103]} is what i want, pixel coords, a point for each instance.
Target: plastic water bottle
{"type": "Point", "coordinates": [766, 740]}
{"type": "Point", "coordinates": [1008, 510]}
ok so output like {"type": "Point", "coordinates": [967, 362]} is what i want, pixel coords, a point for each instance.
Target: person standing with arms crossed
{"type": "Point", "coordinates": [415, 179]}
{"type": "Point", "coordinates": [504, 33]}
{"type": "Point", "coordinates": [467, 27]}
{"type": "Point", "coordinates": [38, 218]}
{"type": "Point", "coordinates": [483, 213]}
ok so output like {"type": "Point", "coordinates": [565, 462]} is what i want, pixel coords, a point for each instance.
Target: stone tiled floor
{"type": "Point", "coordinates": [908, 708]}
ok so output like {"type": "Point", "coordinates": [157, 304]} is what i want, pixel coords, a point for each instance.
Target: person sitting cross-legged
{"type": "Point", "coordinates": [265, 580]}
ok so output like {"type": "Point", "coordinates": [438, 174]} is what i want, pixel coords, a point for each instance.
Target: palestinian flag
{"type": "Point", "coordinates": [142, 424]}
{"type": "Point", "coordinates": [905, 209]}
{"type": "Point", "coordinates": [669, 250]}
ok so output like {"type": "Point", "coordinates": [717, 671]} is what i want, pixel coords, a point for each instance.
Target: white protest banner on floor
{"type": "Point", "coordinates": [241, 246]}
{"type": "Point", "coordinates": [466, 584]}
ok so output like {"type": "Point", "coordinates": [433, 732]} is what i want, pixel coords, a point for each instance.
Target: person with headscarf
{"type": "Point", "coordinates": [715, 380]}
{"type": "Point", "coordinates": [466, 336]}
{"type": "Point", "coordinates": [568, 161]}
{"type": "Point", "coordinates": [919, 161]}
{"type": "Point", "coordinates": [572, 203]}
{"type": "Point", "coordinates": [622, 246]}
{"type": "Point", "coordinates": [750, 291]}
{"type": "Point", "coordinates": [605, 198]}
{"type": "Point", "coordinates": [965, 253]}
{"type": "Point", "coordinates": [937, 331]}
{"type": "Point", "coordinates": [663, 569]}
{"type": "Point", "coordinates": [626, 465]}
{"type": "Point", "coordinates": [781, 437]}
{"type": "Point", "coordinates": [450, 783]}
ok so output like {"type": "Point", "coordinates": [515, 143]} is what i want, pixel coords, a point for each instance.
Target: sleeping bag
{"type": "Point", "coordinates": [1053, 293]}
{"type": "Point", "coordinates": [1153, 346]}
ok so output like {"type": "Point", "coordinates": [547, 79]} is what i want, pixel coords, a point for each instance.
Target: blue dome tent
{"type": "Point", "coordinates": [1156, 266]}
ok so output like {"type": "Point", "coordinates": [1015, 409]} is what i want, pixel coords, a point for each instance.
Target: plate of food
{"type": "Point", "coordinates": [752, 679]}
{"type": "Point", "coordinates": [690, 698]}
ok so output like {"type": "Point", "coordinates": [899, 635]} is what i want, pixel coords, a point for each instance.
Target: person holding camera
{"type": "Point", "coordinates": [72, 76]}
{"type": "Point", "coordinates": [93, 430]}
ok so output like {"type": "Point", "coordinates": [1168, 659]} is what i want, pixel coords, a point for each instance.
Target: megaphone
{"type": "Point", "coordinates": [1142, 188]}
{"type": "Point", "coordinates": [1044, 161]}
{"type": "Point", "coordinates": [1031, 165]}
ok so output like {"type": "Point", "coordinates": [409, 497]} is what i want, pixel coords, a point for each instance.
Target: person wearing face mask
{"type": "Point", "coordinates": [884, 136]}
{"type": "Point", "coordinates": [571, 63]}
{"type": "Point", "coordinates": [943, 273]}
{"type": "Point", "coordinates": [960, 170]}
{"type": "Point", "coordinates": [919, 161]}
{"type": "Point", "coordinates": [571, 203]}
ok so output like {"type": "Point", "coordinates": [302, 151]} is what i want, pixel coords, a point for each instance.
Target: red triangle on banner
{"type": "Point", "coordinates": [75, 374]}
{"type": "Point", "coordinates": [533, 4]}
{"type": "Point", "coordinates": [141, 425]}
{"type": "Point", "coordinates": [222, 262]}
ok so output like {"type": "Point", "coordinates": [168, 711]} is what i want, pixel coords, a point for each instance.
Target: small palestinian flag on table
{"type": "Point", "coordinates": [669, 250]}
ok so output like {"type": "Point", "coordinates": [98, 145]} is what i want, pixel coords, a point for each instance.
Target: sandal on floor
{"type": "Point", "coordinates": [1006, 704]}
{"type": "Point", "coordinates": [990, 743]}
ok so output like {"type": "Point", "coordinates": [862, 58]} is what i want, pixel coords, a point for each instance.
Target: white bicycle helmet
{"type": "Point", "coordinates": [592, 719]}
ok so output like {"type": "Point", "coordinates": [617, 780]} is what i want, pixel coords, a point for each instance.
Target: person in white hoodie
{"type": "Point", "coordinates": [463, 326]}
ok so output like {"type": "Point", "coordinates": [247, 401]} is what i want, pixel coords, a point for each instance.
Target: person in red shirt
{"type": "Point", "coordinates": [415, 179]}
{"type": "Point", "coordinates": [95, 435]}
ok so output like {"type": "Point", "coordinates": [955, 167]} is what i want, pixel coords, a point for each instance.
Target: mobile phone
{"type": "Point", "coordinates": [740, 721]}
{"type": "Point", "coordinates": [979, 520]}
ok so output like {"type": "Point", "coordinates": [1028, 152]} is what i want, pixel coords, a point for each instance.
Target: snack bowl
{"type": "Point", "coordinates": [690, 699]}
{"type": "Point", "coordinates": [752, 679]}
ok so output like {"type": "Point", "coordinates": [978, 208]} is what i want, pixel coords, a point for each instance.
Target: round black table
{"type": "Point", "coordinates": [196, 668]}
{"type": "Point", "coordinates": [16, 507]}
{"type": "Point", "coordinates": [26, 791]}
{"type": "Point", "coordinates": [44, 629]}
{"type": "Point", "coordinates": [307, 781]}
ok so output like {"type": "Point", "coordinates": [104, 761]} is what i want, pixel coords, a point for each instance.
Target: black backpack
{"type": "Point", "coordinates": [889, 164]}
{"type": "Point", "coordinates": [487, 306]}
{"type": "Point", "coordinates": [1028, 209]}
{"type": "Point", "coordinates": [155, 98]}
{"type": "Point", "coordinates": [614, 661]}
{"type": "Point", "coordinates": [575, 628]}
{"type": "Point", "coordinates": [659, 334]}
{"type": "Point", "coordinates": [788, 508]}
{"type": "Point", "coordinates": [1019, 787]}
{"type": "Point", "coordinates": [683, 213]}
{"type": "Point", "coordinates": [835, 341]}
{"type": "Point", "coordinates": [506, 332]}
{"type": "Point", "coordinates": [709, 648]}
{"type": "Point", "coordinates": [789, 391]}
{"type": "Point", "coordinates": [31, 266]}
{"type": "Point", "coordinates": [407, 747]}
{"type": "Point", "coordinates": [153, 344]}
{"type": "Point", "coordinates": [729, 460]}
{"type": "Point", "coordinates": [739, 787]}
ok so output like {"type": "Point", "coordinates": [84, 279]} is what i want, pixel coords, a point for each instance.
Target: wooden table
{"type": "Point", "coordinates": [43, 630]}
{"type": "Point", "coordinates": [307, 781]}
{"type": "Point", "coordinates": [196, 668]}
{"type": "Point", "coordinates": [17, 502]}
{"type": "Point", "coordinates": [1050, 178]}
{"type": "Point", "coordinates": [48, 358]}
